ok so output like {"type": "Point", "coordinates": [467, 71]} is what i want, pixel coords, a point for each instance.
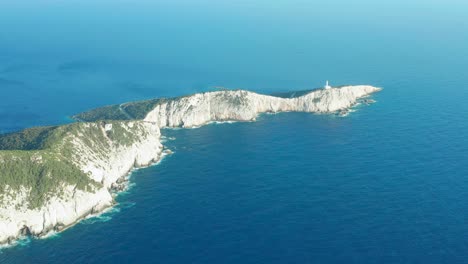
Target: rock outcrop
{"type": "Point", "coordinates": [103, 152]}
{"type": "Point", "coordinates": [240, 105]}
{"type": "Point", "coordinates": [50, 178]}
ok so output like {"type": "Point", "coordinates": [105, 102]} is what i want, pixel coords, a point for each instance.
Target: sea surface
{"type": "Point", "coordinates": [386, 184]}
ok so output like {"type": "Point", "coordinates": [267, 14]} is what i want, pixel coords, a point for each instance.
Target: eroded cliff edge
{"type": "Point", "coordinates": [65, 173]}
{"type": "Point", "coordinates": [51, 177]}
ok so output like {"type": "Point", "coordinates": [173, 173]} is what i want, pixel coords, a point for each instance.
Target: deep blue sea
{"type": "Point", "coordinates": [386, 184]}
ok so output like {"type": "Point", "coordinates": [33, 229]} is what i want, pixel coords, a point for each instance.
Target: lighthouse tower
{"type": "Point", "coordinates": [327, 86]}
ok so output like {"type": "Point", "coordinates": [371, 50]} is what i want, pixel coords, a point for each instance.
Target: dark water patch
{"type": "Point", "coordinates": [83, 66]}
{"type": "Point", "coordinates": [138, 88]}
{"type": "Point", "coordinates": [74, 67]}
{"type": "Point", "coordinates": [20, 68]}
{"type": "Point", "coordinates": [7, 83]}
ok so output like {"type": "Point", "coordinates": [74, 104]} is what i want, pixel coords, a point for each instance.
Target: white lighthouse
{"type": "Point", "coordinates": [327, 86]}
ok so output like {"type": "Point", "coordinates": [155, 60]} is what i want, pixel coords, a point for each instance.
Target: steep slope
{"type": "Point", "coordinates": [69, 172]}
{"type": "Point", "coordinates": [199, 109]}
{"type": "Point", "coordinates": [51, 177]}
{"type": "Point", "coordinates": [240, 105]}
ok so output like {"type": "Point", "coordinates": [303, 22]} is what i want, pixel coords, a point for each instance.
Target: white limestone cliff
{"type": "Point", "coordinates": [108, 162]}
{"type": "Point", "coordinates": [104, 166]}
{"type": "Point", "coordinates": [202, 108]}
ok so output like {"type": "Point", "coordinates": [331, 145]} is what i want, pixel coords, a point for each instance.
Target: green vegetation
{"type": "Point", "coordinates": [294, 94]}
{"type": "Point", "coordinates": [139, 110]}
{"type": "Point", "coordinates": [34, 138]}
{"type": "Point", "coordinates": [111, 112]}
{"type": "Point", "coordinates": [128, 111]}
{"type": "Point", "coordinates": [43, 172]}
{"type": "Point", "coordinates": [122, 135]}
{"type": "Point", "coordinates": [237, 100]}
{"type": "Point", "coordinates": [40, 159]}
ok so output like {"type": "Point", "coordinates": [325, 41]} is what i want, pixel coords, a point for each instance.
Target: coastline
{"type": "Point", "coordinates": [117, 185]}
{"type": "Point", "coordinates": [125, 181]}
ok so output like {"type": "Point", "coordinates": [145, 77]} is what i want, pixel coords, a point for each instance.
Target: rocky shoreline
{"type": "Point", "coordinates": [139, 145]}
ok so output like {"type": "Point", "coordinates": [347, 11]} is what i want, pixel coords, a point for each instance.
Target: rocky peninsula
{"type": "Point", "coordinates": [52, 177]}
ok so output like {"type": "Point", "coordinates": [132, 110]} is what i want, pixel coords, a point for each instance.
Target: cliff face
{"type": "Point", "coordinates": [128, 145]}
{"type": "Point", "coordinates": [102, 152]}
{"type": "Point", "coordinates": [52, 177]}
{"type": "Point", "coordinates": [200, 109]}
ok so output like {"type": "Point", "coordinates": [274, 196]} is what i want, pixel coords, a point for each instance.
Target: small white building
{"type": "Point", "coordinates": [108, 127]}
{"type": "Point", "coordinates": [327, 86]}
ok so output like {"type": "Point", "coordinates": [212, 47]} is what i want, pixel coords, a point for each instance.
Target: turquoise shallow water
{"type": "Point", "coordinates": [387, 184]}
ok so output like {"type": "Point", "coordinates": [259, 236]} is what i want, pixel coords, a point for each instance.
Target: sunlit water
{"type": "Point", "coordinates": [386, 184]}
